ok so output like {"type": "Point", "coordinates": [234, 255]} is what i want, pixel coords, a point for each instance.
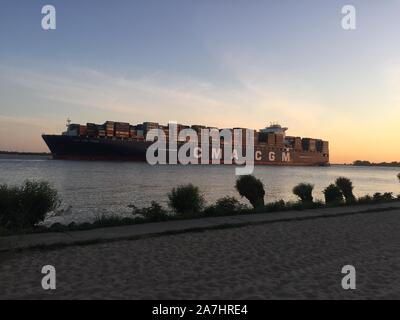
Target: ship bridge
{"type": "Point", "coordinates": [274, 128]}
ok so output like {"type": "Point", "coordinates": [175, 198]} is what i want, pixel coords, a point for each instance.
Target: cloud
{"type": "Point", "coordinates": [147, 95]}
{"type": "Point", "coordinates": [23, 121]}
{"type": "Point", "coordinates": [161, 97]}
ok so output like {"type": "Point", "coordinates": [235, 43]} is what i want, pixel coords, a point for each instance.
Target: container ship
{"type": "Point", "coordinates": [125, 142]}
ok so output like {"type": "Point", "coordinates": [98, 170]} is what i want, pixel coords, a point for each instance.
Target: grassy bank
{"type": "Point", "coordinates": [24, 208]}
{"type": "Point", "coordinates": [114, 220]}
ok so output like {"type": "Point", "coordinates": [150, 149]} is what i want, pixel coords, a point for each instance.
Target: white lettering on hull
{"type": "Point", "coordinates": [285, 157]}
{"type": "Point", "coordinates": [271, 156]}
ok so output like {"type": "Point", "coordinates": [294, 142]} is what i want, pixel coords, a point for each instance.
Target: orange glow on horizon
{"type": "Point", "coordinates": [344, 147]}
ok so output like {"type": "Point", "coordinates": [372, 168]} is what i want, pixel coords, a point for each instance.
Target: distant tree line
{"type": "Point", "coordinates": [379, 164]}
{"type": "Point", "coordinates": [25, 153]}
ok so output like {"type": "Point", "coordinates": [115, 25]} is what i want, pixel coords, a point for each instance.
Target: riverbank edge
{"type": "Point", "coordinates": [54, 240]}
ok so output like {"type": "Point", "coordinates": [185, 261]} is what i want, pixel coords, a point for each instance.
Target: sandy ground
{"type": "Point", "coordinates": [291, 260]}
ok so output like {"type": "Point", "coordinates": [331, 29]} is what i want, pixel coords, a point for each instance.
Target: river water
{"type": "Point", "coordinates": [91, 189]}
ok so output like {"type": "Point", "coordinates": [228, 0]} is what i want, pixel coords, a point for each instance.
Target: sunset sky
{"type": "Point", "coordinates": [215, 62]}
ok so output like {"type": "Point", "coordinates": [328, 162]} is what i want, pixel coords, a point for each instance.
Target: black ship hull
{"type": "Point", "coordinates": [114, 149]}
{"type": "Point", "coordinates": [80, 148]}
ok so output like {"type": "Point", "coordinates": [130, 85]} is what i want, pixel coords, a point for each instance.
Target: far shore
{"type": "Point", "coordinates": [25, 153]}
{"type": "Point", "coordinates": [6, 155]}
{"type": "Point", "coordinates": [365, 163]}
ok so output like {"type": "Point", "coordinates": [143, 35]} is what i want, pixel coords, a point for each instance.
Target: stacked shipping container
{"type": "Point", "coordinates": [121, 129]}
{"type": "Point", "coordinates": [109, 128]}
{"type": "Point", "coordinates": [124, 130]}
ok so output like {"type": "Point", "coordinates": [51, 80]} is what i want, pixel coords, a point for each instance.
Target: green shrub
{"type": "Point", "coordinates": [379, 197]}
{"type": "Point", "coordinates": [365, 199]}
{"type": "Point", "coordinates": [27, 205]}
{"type": "Point", "coordinates": [153, 213]}
{"type": "Point", "coordinates": [186, 200]}
{"type": "Point", "coordinates": [304, 192]}
{"type": "Point", "coordinates": [225, 206]}
{"type": "Point", "coordinates": [333, 195]}
{"type": "Point", "coordinates": [346, 187]}
{"type": "Point", "coordinates": [305, 205]}
{"type": "Point", "coordinates": [57, 227]}
{"type": "Point", "coordinates": [104, 220]}
{"type": "Point", "coordinates": [3, 231]}
{"type": "Point", "coordinates": [388, 196]}
{"type": "Point", "coordinates": [10, 213]}
{"type": "Point", "coordinates": [100, 221]}
{"type": "Point", "coordinates": [279, 205]}
{"type": "Point", "coordinates": [317, 204]}
{"type": "Point", "coordinates": [252, 189]}
{"type": "Point", "coordinates": [38, 199]}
